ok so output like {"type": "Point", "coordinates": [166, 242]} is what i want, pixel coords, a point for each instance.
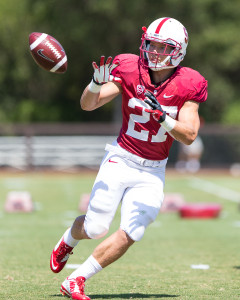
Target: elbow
{"type": "Point", "coordinates": [188, 142]}
{"type": "Point", "coordinates": [88, 100]}
{"type": "Point", "coordinates": [190, 139]}
{"type": "Point", "coordinates": [85, 105]}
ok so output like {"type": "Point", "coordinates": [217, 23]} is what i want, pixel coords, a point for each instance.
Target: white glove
{"type": "Point", "coordinates": [102, 74]}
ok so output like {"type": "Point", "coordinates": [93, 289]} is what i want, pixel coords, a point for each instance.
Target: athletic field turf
{"type": "Point", "coordinates": [161, 266]}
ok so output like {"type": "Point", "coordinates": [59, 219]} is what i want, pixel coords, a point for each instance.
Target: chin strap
{"type": "Point", "coordinates": [155, 67]}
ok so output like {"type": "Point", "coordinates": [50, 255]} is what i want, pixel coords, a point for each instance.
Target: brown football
{"type": "Point", "coordinates": [47, 52]}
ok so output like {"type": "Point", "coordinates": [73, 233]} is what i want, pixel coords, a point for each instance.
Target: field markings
{"type": "Point", "coordinates": [38, 206]}
{"type": "Point", "coordinates": [72, 266]}
{"type": "Point", "coordinates": [68, 217]}
{"type": "Point", "coordinates": [72, 214]}
{"type": "Point", "coordinates": [200, 267]}
{"type": "Point", "coordinates": [236, 224]}
{"type": "Point", "coordinates": [215, 189]}
{"type": "Point", "coordinates": [14, 183]}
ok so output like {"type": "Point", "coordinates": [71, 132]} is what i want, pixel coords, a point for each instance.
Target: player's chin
{"type": "Point", "coordinates": [155, 61]}
{"type": "Point", "coordinates": [153, 58]}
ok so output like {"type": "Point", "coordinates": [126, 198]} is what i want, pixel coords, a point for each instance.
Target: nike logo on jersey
{"type": "Point", "coordinates": [166, 97]}
{"type": "Point", "coordinates": [112, 161]}
{"type": "Point", "coordinates": [43, 56]}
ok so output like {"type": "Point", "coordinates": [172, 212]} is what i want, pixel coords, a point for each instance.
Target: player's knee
{"type": "Point", "coordinates": [136, 234]}
{"type": "Point", "coordinates": [95, 231]}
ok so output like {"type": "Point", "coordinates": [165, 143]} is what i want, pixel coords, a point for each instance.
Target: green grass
{"type": "Point", "coordinates": [158, 267]}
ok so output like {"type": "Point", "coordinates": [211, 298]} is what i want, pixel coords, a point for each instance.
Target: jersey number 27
{"type": "Point", "coordinates": [144, 118]}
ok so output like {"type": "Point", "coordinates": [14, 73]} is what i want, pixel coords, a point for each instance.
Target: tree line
{"type": "Point", "coordinates": [88, 29]}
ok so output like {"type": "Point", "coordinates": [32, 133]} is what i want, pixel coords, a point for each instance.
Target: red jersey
{"type": "Point", "coordinates": [140, 133]}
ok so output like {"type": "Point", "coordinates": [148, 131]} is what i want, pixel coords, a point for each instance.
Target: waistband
{"type": "Point", "coordinates": [134, 158]}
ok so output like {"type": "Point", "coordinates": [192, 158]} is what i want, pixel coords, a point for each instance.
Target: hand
{"type": "Point", "coordinates": [157, 112]}
{"type": "Point", "coordinates": [102, 74]}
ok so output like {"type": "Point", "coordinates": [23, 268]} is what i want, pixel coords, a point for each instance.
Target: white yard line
{"type": "Point", "coordinates": [72, 266]}
{"type": "Point", "coordinates": [215, 189]}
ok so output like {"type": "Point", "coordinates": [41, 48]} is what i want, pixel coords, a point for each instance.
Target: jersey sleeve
{"type": "Point", "coordinates": [128, 64]}
{"type": "Point", "coordinates": [199, 92]}
{"type": "Point", "coordinates": [116, 72]}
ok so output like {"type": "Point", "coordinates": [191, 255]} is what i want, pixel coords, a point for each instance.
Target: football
{"type": "Point", "coordinates": [47, 52]}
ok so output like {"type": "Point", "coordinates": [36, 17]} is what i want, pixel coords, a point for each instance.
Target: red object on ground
{"type": "Point", "coordinates": [19, 201]}
{"type": "Point", "coordinates": [200, 210]}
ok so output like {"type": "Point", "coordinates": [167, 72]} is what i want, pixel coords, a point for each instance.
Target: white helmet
{"type": "Point", "coordinates": [169, 32]}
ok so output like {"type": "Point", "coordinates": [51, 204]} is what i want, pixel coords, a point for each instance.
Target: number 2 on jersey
{"type": "Point", "coordinates": [144, 118]}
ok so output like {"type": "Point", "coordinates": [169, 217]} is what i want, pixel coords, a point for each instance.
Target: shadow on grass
{"type": "Point", "coordinates": [133, 296]}
{"type": "Point", "coordinates": [128, 296]}
{"type": "Point", "coordinates": [237, 267]}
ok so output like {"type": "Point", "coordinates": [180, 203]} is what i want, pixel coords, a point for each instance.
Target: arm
{"type": "Point", "coordinates": [187, 126]}
{"type": "Point", "coordinates": [103, 87]}
{"type": "Point", "coordinates": [185, 130]}
{"type": "Point", "coordinates": [90, 101]}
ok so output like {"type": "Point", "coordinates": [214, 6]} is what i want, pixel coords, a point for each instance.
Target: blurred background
{"type": "Point", "coordinates": [41, 123]}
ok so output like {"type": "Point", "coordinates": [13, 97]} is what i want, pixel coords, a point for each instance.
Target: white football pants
{"type": "Point", "coordinates": [125, 177]}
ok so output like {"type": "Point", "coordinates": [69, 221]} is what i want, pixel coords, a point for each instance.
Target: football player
{"type": "Point", "coordinates": [160, 102]}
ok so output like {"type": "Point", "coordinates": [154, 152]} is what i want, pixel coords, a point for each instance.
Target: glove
{"type": "Point", "coordinates": [157, 112]}
{"type": "Point", "coordinates": [102, 74]}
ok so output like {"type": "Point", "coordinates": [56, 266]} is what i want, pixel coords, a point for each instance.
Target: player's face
{"type": "Point", "coordinates": [158, 51]}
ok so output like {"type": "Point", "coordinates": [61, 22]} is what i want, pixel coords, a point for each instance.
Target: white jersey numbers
{"type": "Point", "coordinates": [144, 118]}
{"type": "Point", "coordinates": [143, 135]}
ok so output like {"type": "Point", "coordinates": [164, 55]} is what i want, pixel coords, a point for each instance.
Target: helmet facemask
{"type": "Point", "coordinates": [159, 60]}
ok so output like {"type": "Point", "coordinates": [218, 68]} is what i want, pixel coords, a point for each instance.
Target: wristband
{"type": "Point", "coordinates": [94, 88]}
{"type": "Point", "coordinates": [169, 123]}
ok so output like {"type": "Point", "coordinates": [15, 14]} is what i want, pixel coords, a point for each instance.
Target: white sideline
{"type": "Point", "coordinates": [215, 189]}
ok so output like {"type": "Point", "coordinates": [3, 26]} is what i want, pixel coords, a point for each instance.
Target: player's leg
{"type": "Point", "coordinates": [112, 248]}
{"type": "Point", "coordinates": [65, 245]}
{"type": "Point", "coordinates": [105, 197]}
{"type": "Point", "coordinates": [141, 204]}
{"type": "Point", "coordinates": [104, 254]}
{"type": "Point", "coordinates": [140, 207]}
{"type": "Point", "coordinates": [111, 188]}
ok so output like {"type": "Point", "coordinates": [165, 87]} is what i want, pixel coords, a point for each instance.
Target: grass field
{"type": "Point", "coordinates": [158, 267]}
